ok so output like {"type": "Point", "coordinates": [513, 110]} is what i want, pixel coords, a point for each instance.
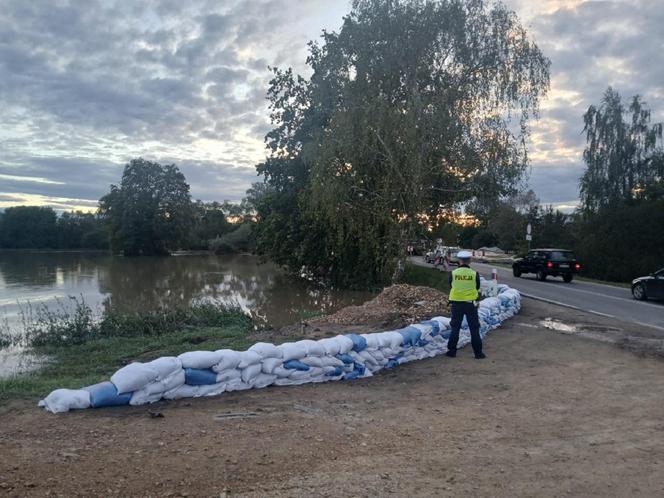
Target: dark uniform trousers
{"type": "Point", "coordinates": [459, 310]}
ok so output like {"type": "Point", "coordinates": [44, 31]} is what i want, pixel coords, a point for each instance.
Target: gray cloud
{"type": "Point", "coordinates": [85, 86]}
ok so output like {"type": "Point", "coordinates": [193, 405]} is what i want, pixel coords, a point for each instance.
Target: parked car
{"type": "Point", "coordinates": [650, 287]}
{"type": "Point", "coordinates": [548, 263]}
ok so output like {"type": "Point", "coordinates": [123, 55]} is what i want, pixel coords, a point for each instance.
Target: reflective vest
{"type": "Point", "coordinates": [463, 285]}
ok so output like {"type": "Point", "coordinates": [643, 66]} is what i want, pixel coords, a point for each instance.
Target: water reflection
{"type": "Point", "coordinates": [147, 283]}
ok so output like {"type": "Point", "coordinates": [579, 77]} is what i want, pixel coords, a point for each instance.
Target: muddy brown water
{"type": "Point", "coordinates": [262, 290]}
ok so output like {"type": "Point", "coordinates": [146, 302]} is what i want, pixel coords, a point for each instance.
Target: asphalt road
{"type": "Point", "coordinates": [604, 300]}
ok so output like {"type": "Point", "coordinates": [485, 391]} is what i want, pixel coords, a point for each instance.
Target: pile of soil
{"type": "Point", "coordinates": [395, 307]}
{"type": "Point", "coordinates": [398, 303]}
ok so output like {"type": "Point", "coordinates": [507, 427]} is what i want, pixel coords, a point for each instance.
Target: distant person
{"type": "Point", "coordinates": [464, 293]}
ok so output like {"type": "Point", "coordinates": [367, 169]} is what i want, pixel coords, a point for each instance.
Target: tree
{"type": "Point", "coordinates": [623, 154]}
{"type": "Point", "coordinates": [150, 212]}
{"type": "Point", "coordinates": [28, 227]}
{"type": "Point", "coordinates": [209, 222]}
{"type": "Point", "coordinates": [406, 115]}
{"type": "Point", "coordinates": [78, 230]}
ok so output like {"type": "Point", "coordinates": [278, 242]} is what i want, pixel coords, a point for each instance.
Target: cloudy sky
{"type": "Point", "coordinates": [86, 85]}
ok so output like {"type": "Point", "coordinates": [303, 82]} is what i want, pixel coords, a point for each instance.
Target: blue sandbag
{"type": "Point", "coordinates": [435, 326]}
{"type": "Point", "coordinates": [199, 377]}
{"type": "Point", "coordinates": [346, 358]}
{"type": "Point", "coordinates": [421, 343]}
{"type": "Point", "coordinates": [359, 342]}
{"type": "Point", "coordinates": [296, 365]}
{"type": "Point", "coordinates": [391, 363]}
{"type": "Point", "coordinates": [410, 336]}
{"type": "Point", "coordinates": [359, 368]}
{"type": "Point", "coordinates": [446, 334]}
{"type": "Point", "coordinates": [106, 394]}
{"type": "Point", "coordinates": [352, 375]}
{"type": "Point", "coordinates": [337, 371]}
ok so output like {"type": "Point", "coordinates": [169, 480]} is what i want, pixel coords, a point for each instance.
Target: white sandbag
{"type": "Point", "coordinates": [331, 361]}
{"type": "Point", "coordinates": [229, 359]}
{"type": "Point", "coordinates": [184, 391]}
{"type": "Point", "coordinates": [187, 391]}
{"type": "Point", "coordinates": [165, 366]}
{"type": "Point", "coordinates": [63, 400]}
{"type": "Point", "coordinates": [293, 351]}
{"type": "Point", "coordinates": [250, 372]}
{"type": "Point", "coordinates": [237, 385]}
{"type": "Point", "coordinates": [263, 380]}
{"type": "Point", "coordinates": [314, 348]}
{"type": "Point", "coordinates": [212, 389]}
{"type": "Point", "coordinates": [269, 364]}
{"type": "Point", "coordinates": [331, 345]}
{"type": "Point", "coordinates": [312, 361]}
{"type": "Point", "coordinates": [266, 350]}
{"type": "Point", "coordinates": [300, 374]}
{"type": "Point", "coordinates": [154, 391]}
{"type": "Point", "coordinates": [248, 358]}
{"type": "Point", "coordinates": [229, 375]}
{"type": "Point", "coordinates": [133, 377]}
{"type": "Point", "coordinates": [372, 341]}
{"type": "Point", "coordinates": [367, 357]}
{"type": "Point", "coordinates": [394, 338]}
{"type": "Point", "coordinates": [200, 359]}
{"type": "Point", "coordinates": [282, 372]}
{"type": "Point", "coordinates": [345, 344]}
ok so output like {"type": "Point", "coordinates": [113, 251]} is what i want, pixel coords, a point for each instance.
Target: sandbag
{"type": "Point", "coordinates": [249, 358]}
{"type": "Point", "coordinates": [200, 359]}
{"type": "Point", "coordinates": [266, 350]}
{"type": "Point", "coordinates": [106, 394]}
{"type": "Point", "coordinates": [359, 342]}
{"type": "Point", "coordinates": [133, 377]}
{"type": "Point", "coordinates": [250, 373]}
{"type": "Point", "coordinates": [229, 375]}
{"type": "Point", "coordinates": [292, 351]}
{"type": "Point", "coordinates": [296, 365]}
{"type": "Point", "coordinates": [154, 391]}
{"type": "Point", "coordinates": [229, 359]}
{"type": "Point", "coordinates": [63, 400]}
{"type": "Point", "coordinates": [263, 380]}
{"type": "Point", "coordinates": [200, 376]}
{"type": "Point", "coordinates": [165, 365]}
{"type": "Point", "coordinates": [269, 364]}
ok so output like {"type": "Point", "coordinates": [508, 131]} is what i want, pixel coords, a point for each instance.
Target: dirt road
{"type": "Point", "coordinates": [549, 413]}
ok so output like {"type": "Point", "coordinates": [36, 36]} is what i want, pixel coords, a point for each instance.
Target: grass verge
{"type": "Point", "coordinates": [77, 363]}
{"type": "Point", "coordinates": [429, 277]}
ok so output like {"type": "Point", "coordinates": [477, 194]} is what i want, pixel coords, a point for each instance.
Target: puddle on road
{"type": "Point", "coordinates": [552, 324]}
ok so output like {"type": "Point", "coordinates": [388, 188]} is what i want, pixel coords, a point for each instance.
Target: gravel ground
{"type": "Point", "coordinates": [553, 411]}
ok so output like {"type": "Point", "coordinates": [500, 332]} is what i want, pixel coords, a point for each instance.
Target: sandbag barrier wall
{"type": "Point", "coordinates": [344, 357]}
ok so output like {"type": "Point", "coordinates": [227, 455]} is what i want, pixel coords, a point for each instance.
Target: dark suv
{"type": "Point", "coordinates": [548, 262]}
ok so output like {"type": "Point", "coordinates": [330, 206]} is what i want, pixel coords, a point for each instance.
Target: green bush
{"type": "Point", "coordinates": [239, 240]}
{"type": "Point", "coordinates": [76, 324]}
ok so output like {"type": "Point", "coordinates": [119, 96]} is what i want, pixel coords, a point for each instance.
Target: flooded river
{"type": "Point", "coordinates": [262, 290]}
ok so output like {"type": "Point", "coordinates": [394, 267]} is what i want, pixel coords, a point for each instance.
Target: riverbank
{"type": "Point", "coordinates": [544, 415]}
{"type": "Point", "coordinates": [78, 351]}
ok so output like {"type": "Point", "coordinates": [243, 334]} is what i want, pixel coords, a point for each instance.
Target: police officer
{"type": "Point", "coordinates": [465, 285]}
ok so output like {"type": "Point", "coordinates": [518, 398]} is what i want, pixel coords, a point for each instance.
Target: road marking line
{"type": "Point", "coordinates": [552, 301]}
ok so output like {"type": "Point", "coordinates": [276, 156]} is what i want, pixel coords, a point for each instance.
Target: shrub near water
{"type": "Point", "coordinates": [77, 325]}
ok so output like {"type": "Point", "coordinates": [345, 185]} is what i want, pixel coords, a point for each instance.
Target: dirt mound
{"type": "Point", "coordinates": [395, 307]}
{"type": "Point", "coordinates": [398, 303]}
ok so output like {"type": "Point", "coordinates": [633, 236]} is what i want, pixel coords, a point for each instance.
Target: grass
{"type": "Point", "coordinates": [79, 356]}
{"type": "Point", "coordinates": [420, 275]}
